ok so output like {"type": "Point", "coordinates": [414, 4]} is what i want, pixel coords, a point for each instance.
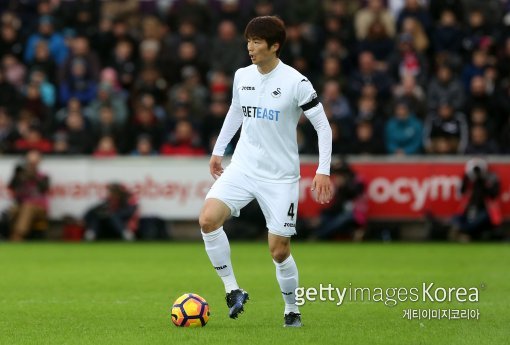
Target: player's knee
{"type": "Point", "coordinates": [209, 221]}
{"type": "Point", "coordinates": [280, 253]}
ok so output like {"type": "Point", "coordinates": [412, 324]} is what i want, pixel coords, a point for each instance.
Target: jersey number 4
{"type": "Point", "coordinates": [291, 211]}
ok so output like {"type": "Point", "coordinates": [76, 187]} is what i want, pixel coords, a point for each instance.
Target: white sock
{"type": "Point", "coordinates": [287, 276]}
{"type": "Point", "coordinates": [218, 249]}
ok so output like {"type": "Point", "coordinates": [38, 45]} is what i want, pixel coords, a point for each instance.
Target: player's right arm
{"type": "Point", "coordinates": [233, 121]}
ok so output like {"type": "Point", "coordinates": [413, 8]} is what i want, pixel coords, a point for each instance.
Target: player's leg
{"type": "Point", "coordinates": [227, 196]}
{"type": "Point", "coordinates": [279, 205]}
{"type": "Point", "coordinates": [213, 215]}
{"type": "Point", "coordinates": [24, 219]}
{"type": "Point", "coordinates": [287, 276]}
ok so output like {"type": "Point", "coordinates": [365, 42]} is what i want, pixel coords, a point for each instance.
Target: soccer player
{"type": "Point", "coordinates": [268, 99]}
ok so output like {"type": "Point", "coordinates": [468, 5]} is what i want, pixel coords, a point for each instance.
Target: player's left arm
{"type": "Point", "coordinates": [313, 110]}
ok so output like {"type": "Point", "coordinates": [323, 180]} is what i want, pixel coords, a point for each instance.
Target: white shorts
{"type": "Point", "coordinates": [278, 201]}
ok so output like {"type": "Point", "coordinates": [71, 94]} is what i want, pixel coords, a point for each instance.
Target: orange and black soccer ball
{"type": "Point", "coordinates": [190, 310]}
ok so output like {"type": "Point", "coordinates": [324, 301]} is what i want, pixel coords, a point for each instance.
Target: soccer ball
{"type": "Point", "coordinates": [190, 310]}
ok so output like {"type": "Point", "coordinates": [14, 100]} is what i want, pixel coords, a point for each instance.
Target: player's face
{"type": "Point", "coordinates": [260, 53]}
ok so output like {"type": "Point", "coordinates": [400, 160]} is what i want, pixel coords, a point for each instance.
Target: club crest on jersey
{"type": "Point", "coordinates": [276, 93]}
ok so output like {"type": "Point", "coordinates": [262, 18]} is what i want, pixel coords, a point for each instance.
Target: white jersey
{"type": "Point", "coordinates": [269, 107]}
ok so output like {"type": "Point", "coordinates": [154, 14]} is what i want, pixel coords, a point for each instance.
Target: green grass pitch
{"type": "Point", "coordinates": [116, 293]}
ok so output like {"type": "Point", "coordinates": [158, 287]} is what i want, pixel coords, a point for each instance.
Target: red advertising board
{"type": "Point", "coordinates": [406, 190]}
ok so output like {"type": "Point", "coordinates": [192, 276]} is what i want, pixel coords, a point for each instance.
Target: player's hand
{"type": "Point", "coordinates": [322, 187]}
{"type": "Point", "coordinates": [215, 166]}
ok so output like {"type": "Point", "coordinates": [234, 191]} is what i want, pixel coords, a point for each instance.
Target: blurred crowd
{"type": "Point", "coordinates": [154, 77]}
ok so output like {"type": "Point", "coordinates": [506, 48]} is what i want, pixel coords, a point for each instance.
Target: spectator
{"type": "Point", "coordinates": [404, 132]}
{"type": "Point", "coordinates": [29, 188]}
{"type": "Point", "coordinates": [413, 27]}
{"type": "Point", "coordinates": [108, 76]}
{"type": "Point", "coordinates": [366, 16]}
{"type": "Point", "coordinates": [106, 126]}
{"type": "Point", "coordinates": [122, 30]}
{"type": "Point", "coordinates": [413, 94]}
{"type": "Point", "coordinates": [480, 143]}
{"type": "Point", "coordinates": [108, 97]}
{"type": "Point", "coordinates": [406, 60]}
{"type": "Point", "coordinates": [79, 85]}
{"type": "Point", "coordinates": [103, 40]}
{"type": "Point", "coordinates": [144, 122]}
{"type": "Point", "coordinates": [15, 72]}
{"type": "Point", "coordinates": [149, 55]}
{"type": "Point", "coordinates": [42, 61]}
{"type": "Point", "coordinates": [11, 41]}
{"type": "Point", "coordinates": [183, 141]}
{"type": "Point", "coordinates": [46, 31]}
{"type": "Point", "coordinates": [72, 105]}
{"type": "Point", "coordinates": [191, 85]}
{"type": "Point", "coordinates": [152, 28]}
{"type": "Point", "coordinates": [367, 75]}
{"type": "Point", "coordinates": [7, 132]}
{"type": "Point", "coordinates": [144, 146]}
{"type": "Point", "coordinates": [187, 46]}
{"type": "Point", "coordinates": [47, 90]}
{"type": "Point", "coordinates": [413, 9]}
{"type": "Point", "coordinates": [479, 209]}
{"type": "Point", "coordinates": [306, 11]}
{"type": "Point", "coordinates": [444, 88]}
{"type": "Point", "coordinates": [367, 141]}
{"type": "Point", "coordinates": [228, 52]}
{"type": "Point", "coordinates": [478, 32]}
{"type": "Point", "coordinates": [446, 131]}
{"type": "Point", "coordinates": [378, 42]}
{"type": "Point", "coordinates": [447, 34]}
{"type": "Point", "coordinates": [347, 213]}
{"type": "Point", "coordinates": [84, 15]}
{"type": "Point", "coordinates": [480, 117]}
{"type": "Point", "coordinates": [106, 147]}
{"type": "Point", "coordinates": [124, 62]}
{"type": "Point", "coordinates": [191, 11]}
{"type": "Point", "coordinates": [437, 8]}
{"type": "Point", "coordinates": [179, 68]}
{"type": "Point", "coordinates": [368, 110]}
{"type": "Point", "coordinates": [150, 81]}
{"type": "Point", "coordinates": [213, 121]}
{"type": "Point", "coordinates": [80, 49]}
{"type": "Point", "coordinates": [34, 104]}
{"type": "Point", "coordinates": [61, 144]}
{"type": "Point", "coordinates": [10, 97]}
{"type": "Point", "coordinates": [340, 134]}
{"type": "Point", "coordinates": [333, 100]}
{"type": "Point", "coordinates": [219, 86]}
{"type": "Point", "coordinates": [331, 70]}
{"type": "Point", "coordinates": [79, 134]}
{"type": "Point", "coordinates": [32, 139]}
{"type": "Point", "coordinates": [187, 55]}
{"type": "Point", "coordinates": [479, 97]}
{"type": "Point", "coordinates": [476, 67]}
{"type": "Point", "coordinates": [181, 111]}
{"type": "Point", "coordinates": [113, 218]}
